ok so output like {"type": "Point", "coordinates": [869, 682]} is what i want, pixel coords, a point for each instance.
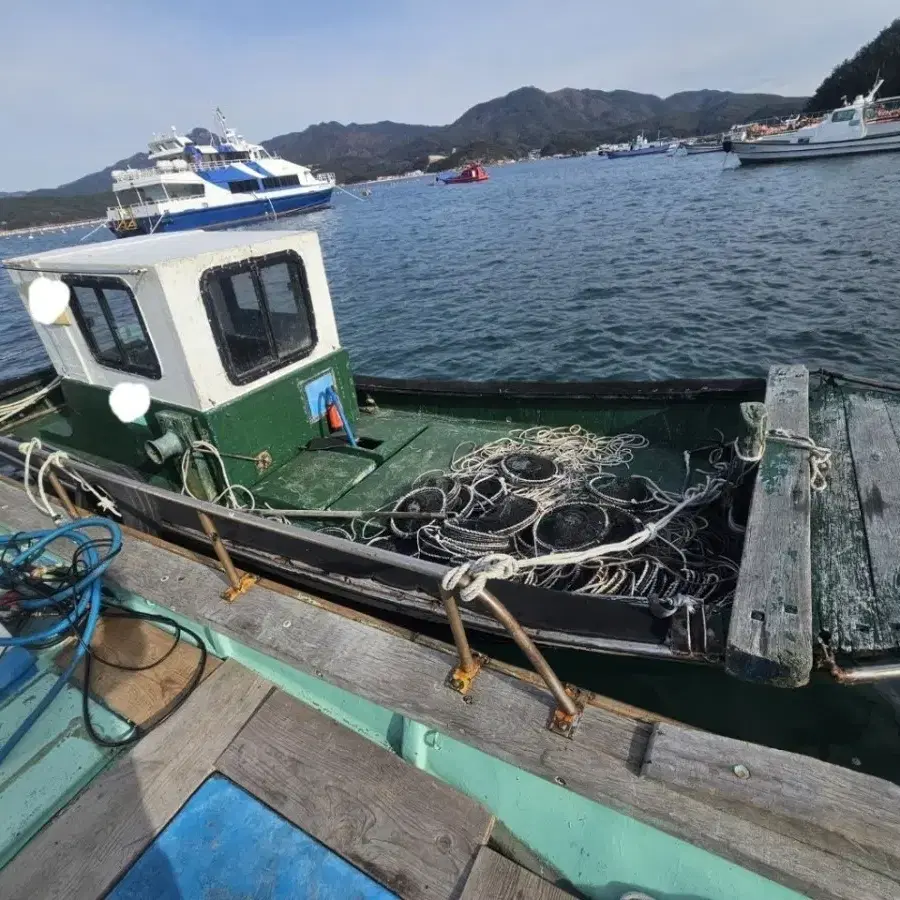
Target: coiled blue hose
{"type": "Point", "coordinates": [80, 599]}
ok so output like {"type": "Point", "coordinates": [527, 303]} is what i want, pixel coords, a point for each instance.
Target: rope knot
{"type": "Point", "coordinates": [479, 571]}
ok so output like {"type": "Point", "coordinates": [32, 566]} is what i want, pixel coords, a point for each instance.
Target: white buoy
{"type": "Point", "coordinates": [48, 299]}
{"type": "Point", "coordinates": [129, 401]}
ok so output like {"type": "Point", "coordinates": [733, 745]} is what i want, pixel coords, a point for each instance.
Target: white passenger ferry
{"type": "Point", "coordinates": [222, 183]}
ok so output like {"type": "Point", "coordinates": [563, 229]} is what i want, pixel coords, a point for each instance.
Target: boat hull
{"type": "Point", "coordinates": [465, 180]}
{"type": "Point", "coordinates": [643, 151]}
{"type": "Point", "coordinates": [696, 151]}
{"type": "Point", "coordinates": [406, 586]}
{"type": "Point", "coordinates": [752, 152]}
{"type": "Point", "coordinates": [255, 210]}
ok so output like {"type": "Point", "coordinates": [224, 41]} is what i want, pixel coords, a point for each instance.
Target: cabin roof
{"type": "Point", "coordinates": [151, 250]}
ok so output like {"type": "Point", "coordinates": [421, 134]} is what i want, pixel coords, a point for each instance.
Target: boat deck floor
{"type": "Point", "coordinates": [411, 444]}
{"type": "Point", "coordinates": [855, 521]}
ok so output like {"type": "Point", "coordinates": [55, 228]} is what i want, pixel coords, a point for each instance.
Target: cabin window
{"type": "Point", "coordinates": [280, 181]}
{"type": "Point", "coordinates": [843, 115]}
{"type": "Point", "coordinates": [244, 186]}
{"type": "Point", "coordinates": [112, 325]}
{"type": "Point", "coordinates": [261, 314]}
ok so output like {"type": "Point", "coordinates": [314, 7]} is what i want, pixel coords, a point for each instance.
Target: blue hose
{"type": "Point", "coordinates": [82, 597]}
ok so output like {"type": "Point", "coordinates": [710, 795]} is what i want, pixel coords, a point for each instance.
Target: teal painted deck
{"type": "Point", "coordinates": [53, 762]}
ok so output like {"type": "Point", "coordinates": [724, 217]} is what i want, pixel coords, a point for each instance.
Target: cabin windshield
{"type": "Point", "coordinates": [112, 326]}
{"type": "Point", "coordinates": [261, 314]}
{"type": "Point", "coordinates": [843, 115]}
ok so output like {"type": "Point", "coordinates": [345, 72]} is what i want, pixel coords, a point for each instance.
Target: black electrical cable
{"type": "Point", "coordinates": [140, 731]}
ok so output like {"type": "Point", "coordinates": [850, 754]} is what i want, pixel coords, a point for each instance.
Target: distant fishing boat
{"type": "Point", "coordinates": [866, 125]}
{"type": "Point", "coordinates": [640, 146]}
{"type": "Point", "coordinates": [692, 148]}
{"type": "Point", "coordinates": [471, 174]}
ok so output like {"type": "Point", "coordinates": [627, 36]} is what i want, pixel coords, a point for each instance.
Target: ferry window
{"type": "Point", "coordinates": [180, 191]}
{"type": "Point", "coordinates": [112, 325]}
{"type": "Point", "coordinates": [843, 115]}
{"type": "Point", "coordinates": [280, 181]}
{"type": "Point", "coordinates": [261, 314]}
{"type": "Point", "coordinates": [245, 186]}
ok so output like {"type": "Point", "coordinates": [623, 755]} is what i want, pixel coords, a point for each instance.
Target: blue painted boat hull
{"type": "Point", "coordinates": [643, 151]}
{"type": "Point", "coordinates": [233, 214]}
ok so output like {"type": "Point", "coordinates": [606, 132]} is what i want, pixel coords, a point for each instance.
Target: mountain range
{"type": "Point", "coordinates": [525, 119]}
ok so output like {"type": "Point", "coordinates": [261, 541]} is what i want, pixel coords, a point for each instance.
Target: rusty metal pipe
{"type": "Point", "coordinates": [466, 661]}
{"type": "Point", "coordinates": [63, 494]}
{"type": "Point", "coordinates": [865, 674]}
{"type": "Point", "coordinates": [529, 648]}
{"type": "Point", "coordinates": [209, 529]}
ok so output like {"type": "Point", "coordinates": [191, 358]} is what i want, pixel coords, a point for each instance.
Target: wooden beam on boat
{"type": "Point", "coordinates": [770, 636]}
{"type": "Point", "coordinates": [845, 601]}
{"type": "Point", "coordinates": [498, 878]}
{"type": "Point", "coordinates": [871, 424]}
{"type": "Point", "coordinates": [409, 831]}
{"type": "Point", "coordinates": [84, 850]}
{"type": "Point", "coordinates": [504, 716]}
{"type": "Point", "coordinates": [836, 809]}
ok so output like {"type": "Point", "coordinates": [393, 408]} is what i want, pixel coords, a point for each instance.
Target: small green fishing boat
{"type": "Point", "coordinates": [650, 519]}
{"type": "Point", "coordinates": [199, 397]}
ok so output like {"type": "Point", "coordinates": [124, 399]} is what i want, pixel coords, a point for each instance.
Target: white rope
{"type": "Point", "coordinates": [56, 460]}
{"type": "Point", "coordinates": [212, 450]}
{"type": "Point", "coordinates": [14, 408]}
{"type": "Point", "coordinates": [819, 457]}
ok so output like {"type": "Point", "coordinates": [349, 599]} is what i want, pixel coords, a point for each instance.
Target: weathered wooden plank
{"type": "Point", "coordinates": [140, 695]}
{"type": "Point", "coordinates": [406, 829]}
{"type": "Point", "coordinates": [95, 838]}
{"type": "Point", "coordinates": [506, 717]}
{"type": "Point", "coordinates": [770, 636]}
{"type": "Point", "coordinates": [843, 594]}
{"type": "Point", "coordinates": [495, 877]}
{"type": "Point", "coordinates": [872, 421]}
{"type": "Point", "coordinates": [836, 809]}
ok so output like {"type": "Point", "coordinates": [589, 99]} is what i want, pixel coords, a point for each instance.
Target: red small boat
{"type": "Point", "coordinates": [469, 175]}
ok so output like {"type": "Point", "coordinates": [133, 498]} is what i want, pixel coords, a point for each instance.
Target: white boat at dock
{"type": "Point", "coordinates": [866, 125]}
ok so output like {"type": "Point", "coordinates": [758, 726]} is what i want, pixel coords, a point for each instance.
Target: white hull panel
{"type": "Point", "coordinates": [770, 151]}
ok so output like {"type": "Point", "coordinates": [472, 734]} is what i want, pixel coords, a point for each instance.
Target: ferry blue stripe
{"type": "Point", "coordinates": [256, 167]}
{"type": "Point", "coordinates": [235, 213]}
{"type": "Point", "coordinates": [223, 176]}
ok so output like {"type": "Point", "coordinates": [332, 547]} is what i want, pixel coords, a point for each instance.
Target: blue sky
{"type": "Point", "coordinates": [84, 84]}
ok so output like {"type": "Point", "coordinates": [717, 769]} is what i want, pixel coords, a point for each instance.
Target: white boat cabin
{"type": "Point", "coordinates": [200, 318]}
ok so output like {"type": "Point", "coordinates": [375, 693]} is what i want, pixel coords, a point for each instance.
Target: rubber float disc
{"type": "Point", "coordinates": [512, 514]}
{"type": "Point", "coordinates": [528, 468]}
{"type": "Point", "coordinates": [421, 500]}
{"type": "Point", "coordinates": [571, 526]}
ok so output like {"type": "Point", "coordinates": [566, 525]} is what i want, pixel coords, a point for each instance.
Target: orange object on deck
{"type": "Point", "coordinates": [334, 418]}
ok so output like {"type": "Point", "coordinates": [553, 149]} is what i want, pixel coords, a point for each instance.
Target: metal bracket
{"type": "Point", "coordinates": [566, 724]}
{"type": "Point", "coordinates": [461, 679]}
{"type": "Point", "coordinates": [245, 583]}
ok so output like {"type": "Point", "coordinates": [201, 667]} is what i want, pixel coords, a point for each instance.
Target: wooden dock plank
{"type": "Point", "coordinates": [770, 637]}
{"type": "Point", "coordinates": [836, 809]}
{"type": "Point", "coordinates": [843, 594]}
{"type": "Point", "coordinates": [138, 695]}
{"type": "Point", "coordinates": [83, 851]}
{"type": "Point", "coordinates": [498, 878]}
{"type": "Point", "coordinates": [406, 829]}
{"type": "Point", "coordinates": [505, 718]}
{"type": "Point", "coordinates": [872, 421]}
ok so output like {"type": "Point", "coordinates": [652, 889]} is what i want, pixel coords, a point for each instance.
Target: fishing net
{"type": "Point", "coordinates": [544, 491]}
